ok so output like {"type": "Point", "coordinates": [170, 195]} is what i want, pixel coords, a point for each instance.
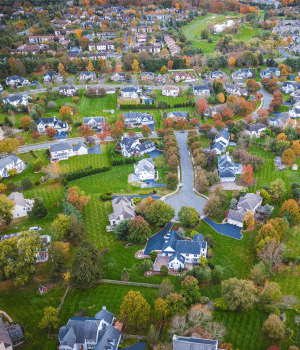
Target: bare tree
{"type": "Point", "coordinates": [178, 324]}
{"type": "Point", "coordinates": [273, 253]}
{"type": "Point", "coordinates": [199, 316]}
{"type": "Point", "coordinates": [217, 330]}
{"type": "Point", "coordinates": [166, 288]}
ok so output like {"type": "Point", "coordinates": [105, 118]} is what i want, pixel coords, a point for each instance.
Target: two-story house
{"type": "Point", "coordinates": [117, 76]}
{"type": "Point", "coordinates": [87, 76]}
{"type": "Point", "coordinates": [255, 129]}
{"type": "Point", "coordinates": [192, 343]}
{"type": "Point", "coordinates": [172, 91]}
{"type": "Point", "coordinates": [138, 118]}
{"type": "Point", "coordinates": [44, 123]}
{"type": "Point", "coordinates": [63, 150]}
{"type": "Point", "coordinates": [221, 141]}
{"type": "Point", "coordinates": [131, 146]}
{"type": "Point", "coordinates": [131, 91]}
{"type": "Point", "coordinates": [11, 162]}
{"type": "Point", "coordinates": [123, 208]}
{"type": "Point", "coordinates": [242, 74]}
{"type": "Point", "coordinates": [16, 100]}
{"type": "Point", "coordinates": [289, 87]}
{"type": "Point", "coordinates": [67, 90]}
{"type": "Point", "coordinates": [94, 122]}
{"type": "Point", "coordinates": [228, 169]}
{"type": "Point", "coordinates": [201, 90]}
{"type": "Point", "coordinates": [145, 169]}
{"type": "Point", "coordinates": [270, 72]}
{"type": "Point", "coordinates": [22, 205]}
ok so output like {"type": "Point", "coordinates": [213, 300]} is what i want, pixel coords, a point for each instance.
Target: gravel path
{"type": "Point", "coordinates": [186, 196]}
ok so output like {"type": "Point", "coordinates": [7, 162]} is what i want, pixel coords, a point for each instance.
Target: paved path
{"type": "Point", "coordinates": [225, 229]}
{"type": "Point", "coordinates": [6, 315]}
{"type": "Point", "coordinates": [267, 98]}
{"type": "Point", "coordinates": [186, 195]}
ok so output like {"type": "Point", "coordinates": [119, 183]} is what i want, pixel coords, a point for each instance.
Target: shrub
{"type": "Point", "coordinates": [10, 186]}
{"type": "Point", "coordinates": [136, 200]}
{"type": "Point", "coordinates": [164, 271]}
{"type": "Point", "coordinates": [26, 183]}
{"type": "Point", "coordinates": [83, 173]}
{"type": "Point", "coordinates": [153, 255]}
{"type": "Point", "coordinates": [204, 300]}
{"type": "Point", "coordinates": [12, 172]}
{"type": "Point", "coordinates": [106, 197]}
{"type": "Point", "coordinates": [146, 265]}
{"type": "Point", "coordinates": [37, 165]}
{"type": "Point", "coordinates": [221, 304]}
{"type": "Point", "coordinates": [37, 182]}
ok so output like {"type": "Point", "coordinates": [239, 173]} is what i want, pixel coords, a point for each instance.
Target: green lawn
{"type": "Point", "coordinates": [247, 33]}
{"type": "Point", "coordinates": [92, 300]}
{"type": "Point", "coordinates": [169, 99]}
{"type": "Point", "coordinates": [26, 306]}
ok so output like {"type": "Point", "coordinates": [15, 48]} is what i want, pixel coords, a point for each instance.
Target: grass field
{"type": "Point", "coordinates": [169, 99]}
{"type": "Point", "coordinates": [247, 32]}
{"type": "Point", "coordinates": [92, 300]}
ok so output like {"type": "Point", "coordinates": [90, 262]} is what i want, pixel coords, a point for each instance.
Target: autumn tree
{"type": "Point", "coordinates": [292, 207]}
{"type": "Point", "coordinates": [61, 68]}
{"type": "Point", "coordinates": [65, 113]}
{"type": "Point", "coordinates": [188, 216]}
{"type": "Point", "coordinates": [296, 147]}
{"type": "Point", "coordinates": [105, 130]}
{"type": "Point", "coordinates": [249, 219]}
{"type": "Point", "coordinates": [135, 66]}
{"type": "Point", "coordinates": [213, 206]}
{"type": "Point", "coordinates": [50, 132]}
{"type": "Point", "coordinates": [139, 230]}
{"type": "Point", "coordinates": [176, 303]}
{"type": "Point", "coordinates": [159, 213]}
{"type": "Point", "coordinates": [288, 156]}
{"type": "Point", "coordinates": [247, 174]}
{"type": "Point", "coordinates": [90, 66]}
{"type": "Point", "coordinates": [252, 86]}
{"type": "Point", "coordinates": [277, 189]}
{"type": "Point", "coordinates": [35, 135]}
{"type": "Point", "coordinates": [172, 181]}
{"type": "Point", "coordinates": [76, 197]}
{"type": "Point", "coordinates": [201, 105]}
{"type": "Point", "coordinates": [9, 145]}
{"type": "Point", "coordinates": [170, 64]}
{"type": "Point", "coordinates": [85, 130]}
{"type": "Point", "coordinates": [221, 97]}
{"type": "Point", "coordinates": [146, 131]}
{"type": "Point", "coordinates": [135, 312]}
{"type": "Point", "coordinates": [272, 253]}
{"type": "Point", "coordinates": [273, 328]}
{"type": "Point", "coordinates": [50, 321]}
{"type": "Point", "coordinates": [161, 311]}
{"type": "Point", "coordinates": [25, 122]}
{"type": "Point", "coordinates": [190, 290]}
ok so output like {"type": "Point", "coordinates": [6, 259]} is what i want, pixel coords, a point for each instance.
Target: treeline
{"type": "Point", "coordinates": [83, 173]}
{"type": "Point", "coordinates": [116, 160]}
{"type": "Point", "coordinates": [138, 106]}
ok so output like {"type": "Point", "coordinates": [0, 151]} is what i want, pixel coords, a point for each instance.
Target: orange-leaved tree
{"type": "Point", "coordinates": [247, 174]}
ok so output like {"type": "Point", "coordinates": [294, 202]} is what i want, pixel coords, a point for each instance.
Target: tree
{"type": "Point", "coordinates": [165, 288]}
{"type": "Point", "coordinates": [61, 68]}
{"type": "Point", "coordinates": [60, 226]}
{"type": "Point", "coordinates": [271, 294]}
{"type": "Point", "coordinates": [116, 132]}
{"type": "Point", "coordinates": [249, 219]}
{"type": "Point", "coordinates": [176, 303]}
{"type": "Point", "coordinates": [171, 181]}
{"type": "Point", "coordinates": [201, 181]}
{"type": "Point", "coordinates": [125, 275]}
{"type": "Point", "coordinates": [221, 97]}
{"type": "Point", "coordinates": [272, 253]}
{"type": "Point", "coordinates": [170, 64]}
{"type": "Point", "coordinates": [213, 206]}
{"type": "Point", "coordinates": [25, 122]}
{"type": "Point", "coordinates": [86, 267]}
{"type": "Point", "coordinates": [105, 130]}
{"type": "Point", "coordinates": [296, 147]}
{"type": "Point", "coordinates": [239, 294]}
{"type": "Point", "coordinates": [146, 131]}
{"type": "Point", "coordinates": [135, 312]}
{"type": "Point", "coordinates": [122, 231]}
{"type": "Point", "coordinates": [293, 208]}
{"type": "Point", "coordinates": [288, 156]}
{"type": "Point", "coordinates": [90, 66]}
{"type": "Point", "coordinates": [188, 216]}
{"type": "Point", "coordinates": [35, 135]}
{"type": "Point", "coordinates": [266, 197]}
{"type": "Point", "coordinates": [277, 190]}
{"type": "Point", "coordinates": [9, 145]}
{"type": "Point", "coordinates": [26, 183]}
{"type": "Point", "coordinates": [201, 106]}
{"type": "Point", "coordinates": [57, 255]}
{"type": "Point", "coordinates": [76, 197]}
{"type": "Point", "coordinates": [259, 273]}
{"type": "Point", "coordinates": [38, 211]}
{"type": "Point", "coordinates": [75, 231]}
{"type": "Point", "coordinates": [50, 321]}
{"type": "Point", "coordinates": [139, 230]}
{"type": "Point", "coordinates": [159, 213]}
{"type": "Point", "coordinates": [217, 274]}
{"type": "Point", "coordinates": [146, 265]}
{"type": "Point", "coordinates": [85, 130]}
{"type": "Point", "coordinates": [247, 174]}
{"type": "Point", "coordinates": [190, 290]}
{"type": "Point", "coordinates": [65, 113]}
{"type": "Point", "coordinates": [163, 70]}
{"type": "Point", "coordinates": [172, 162]}
{"type": "Point", "coordinates": [152, 337]}
{"type": "Point", "coordinates": [273, 327]}
{"type": "Point", "coordinates": [135, 66]}
{"type": "Point", "coordinates": [50, 132]}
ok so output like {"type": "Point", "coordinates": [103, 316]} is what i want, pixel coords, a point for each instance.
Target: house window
{"type": "Point", "coordinates": [186, 254]}
{"type": "Point", "coordinates": [195, 255]}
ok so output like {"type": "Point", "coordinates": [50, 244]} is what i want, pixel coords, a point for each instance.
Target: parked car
{"type": "Point", "coordinates": [35, 228]}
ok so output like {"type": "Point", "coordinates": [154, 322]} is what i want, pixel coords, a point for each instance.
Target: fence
{"type": "Point", "coordinates": [63, 299]}
{"type": "Point", "coordinates": [127, 283]}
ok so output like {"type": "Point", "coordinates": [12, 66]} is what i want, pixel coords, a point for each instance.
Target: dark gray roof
{"type": "Point", "coordinates": [129, 89]}
{"type": "Point", "coordinates": [110, 339]}
{"type": "Point", "coordinates": [170, 241]}
{"type": "Point", "coordinates": [4, 335]}
{"type": "Point", "coordinates": [226, 173]}
{"type": "Point", "coordinates": [178, 114]}
{"type": "Point", "coordinates": [144, 146]}
{"type": "Point", "coordinates": [223, 133]}
{"type": "Point", "coordinates": [177, 256]}
{"type": "Point", "coordinates": [198, 237]}
{"type": "Point", "coordinates": [97, 119]}
{"type": "Point", "coordinates": [201, 87]}
{"type": "Point", "coordinates": [95, 150]}
{"type": "Point", "coordinates": [255, 127]}
{"type": "Point", "coordinates": [8, 160]}
{"type": "Point", "coordinates": [188, 247]}
{"type": "Point", "coordinates": [236, 215]}
{"type": "Point", "coordinates": [15, 333]}
{"type": "Point", "coordinates": [62, 146]}
{"type": "Point", "coordinates": [105, 315]}
{"type": "Point", "coordinates": [78, 146]}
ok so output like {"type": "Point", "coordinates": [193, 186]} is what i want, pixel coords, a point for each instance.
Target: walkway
{"type": "Point", "coordinates": [186, 195]}
{"type": "Point", "coordinates": [225, 229]}
{"type": "Point", "coordinates": [6, 315]}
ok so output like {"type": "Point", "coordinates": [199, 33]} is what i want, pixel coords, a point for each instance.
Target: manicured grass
{"type": "Point", "coordinates": [92, 300]}
{"type": "Point", "coordinates": [93, 107]}
{"type": "Point", "coordinates": [89, 160]}
{"type": "Point", "coordinates": [243, 329]}
{"type": "Point", "coordinates": [247, 33]}
{"type": "Point", "coordinates": [169, 99]}
{"type": "Point", "coordinates": [236, 256]}
{"type": "Point", "coordinates": [26, 306]}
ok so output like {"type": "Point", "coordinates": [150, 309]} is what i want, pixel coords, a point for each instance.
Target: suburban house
{"type": "Point", "coordinates": [192, 343]}
{"type": "Point", "coordinates": [250, 202]}
{"type": "Point", "coordinates": [242, 74]}
{"type": "Point", "coordinates": [82, 333]}
{"type": "Point", "coordinates": [145, 169]}
{"type": "Point", "coordinates": [185, 77]}
{"type": "Point", "coordinates": [201, 90]}
{"type": "Point", "coordinates": [176, 253]}
{"type": "Point", "coordinates": [63, 150]}
{"type": "Point", "coordinates": [103, 46]}
{"type": "Point", "coordinates": [16, 100]}
{"type": "Point", "coordinates": [42, 255]}
{"type": "Point", "coordinates": [289, 87]}
{"type": "Point", "coordinates": [141, 38]}
{"type": "Point", "coordinates": [87, 76]}
{"type": "Point", "coordinates": [93, 122]}
{"type": "Point", "coordinates": [11, 162]}
{"type": "Point", "coordinates": [270, 72]}
{"type": "Point", "coordinates": [177, 115]}
{"type": "Point", "coordinates": [233, 89]}
{"type": "Point", "coordinates": [22, 205]}
{"type": "Point", "coordinates": [10, 336]}
{"type": "Point", "coordinates": [139, 118]}
{"type": "Point", "coordinates": [16, 80]}
{"type": "Point", "coordinates": [44, 123]}
{"type": "Point", "coordinates": [131, 146]}
{"type": "Point", "coordinates": [279, 120]}
{"type": "Point", "coordinates": [53, 76]}
{"type": "Point", "coordinates": [216, 75]}
{"type": "Point", "coordinates": [123, 208]}
{"type": "Point", "coordinates": [131, 91]}
{"type": "Point", "coordinates": [67, 90]}
{"type": "Point", "coordinates": [228, 169]}
{"type": "Point", "coordinates": [172, 91]}
{"type": "Point", "coordinates": [294, 112]}
{"type": "Point", "coordinates": [221, 141]}
{"type": "Point", "coordinates": [117, 76]}
{"type": "Point", "coordinates": [147, 76]}
{"type": "Point", "coordinates": [255, 129]}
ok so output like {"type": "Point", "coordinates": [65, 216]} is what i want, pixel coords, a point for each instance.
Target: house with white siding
{"type": "Point", "coordinates": [11, 162]}
{"type": "Point", "coordinates": [22, 205]}
{"type": "Point", "coordinates": [131, 146]}
{"type": "Point", "coordinates": [145, 169]}
{"type": "Point", "coordinates": [63, 150]}
{"type": "Point", "coordinates": [228, 169]}
{"type": "Point", "coordinates": [44, 123]}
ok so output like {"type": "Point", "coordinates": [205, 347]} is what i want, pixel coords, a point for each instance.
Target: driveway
{"type": "Point", "coordinates": [225, 229]}
{"type": "Point", "coordinates": [267, 98]}
{"type": "Point", "coordinates": [186, 196]}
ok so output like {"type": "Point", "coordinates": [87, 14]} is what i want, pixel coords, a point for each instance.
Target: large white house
{"type": "Point", "coordinates": [16, 100]}
{"type": "Point", "coordinates": [43, 123]}
{"type": "Point", "coordinates": [93, 122]}
{"type": "Point", "coordinates": [255, 129]}
{"type": "Point", "coordinates": [11, 162]}
{"type": "Point", "coordinates": [139, 118]}
{"type": "Point", "coordinates": [172, 91]}
{"type": "Point", "coordinates": [132, 145]}
{"type": "Point", "coordinates": [228, 169]}
{"type": "Point", "coordinates": [221, 141]}
{"type": "Point", "coordinates": [131, 91]}
{"type": "Point", "coordinates": [63, 150]}
{"type": "Point", "coordinates": [123, 208]}
{"type": "Point", "coordinates": [22, 205]}
{"type": "Point", "coordinates": [145, 169]}
{"type": "Point", "coordinates": [16, 80]}
{"type": "Point", "coordinates": [269, 72]}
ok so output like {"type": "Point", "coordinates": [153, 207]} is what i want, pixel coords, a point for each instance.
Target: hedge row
{"type": "Point", "coordinates": [83, 173]}
{"type": "Point", "coordinates": [130, 160]}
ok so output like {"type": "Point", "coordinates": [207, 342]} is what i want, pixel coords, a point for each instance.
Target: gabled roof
{"type": "Point", "coordinates": [227, 172]}
{"type": "Point", "coordinates": [105, 315]}
{"type": "Point", "coordinates": [17, 198]}
{"type": "Point", "coordinates": [62, 146]}
{"type": "Point", "coordinates": [145, 164]}
{"type": "Point", "coordinates": [78, 146]}
{"type": "Point", "coordinates": [236, 215]}
{"type": "Point", "coordinates": [223, 133]}
{"type": "Point", "coordinates": [188, 247]}
{"type": "Point", "coordinates": [178, 257]}
{"type": "Point", "coordinates": [12, 158]}
{"type": "Point", "coordinates": [249, 201]}
{"type": "Point", "coordinates": [255, 127]}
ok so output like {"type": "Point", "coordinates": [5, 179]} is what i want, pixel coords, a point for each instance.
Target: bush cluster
{"type": "Point", "coordinates": [106, 196]}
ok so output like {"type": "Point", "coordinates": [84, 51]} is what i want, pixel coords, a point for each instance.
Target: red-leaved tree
{"type": "Point", "coordinates": [247, 174]}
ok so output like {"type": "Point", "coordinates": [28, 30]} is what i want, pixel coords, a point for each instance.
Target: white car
{"type": "Point", "coordinates": [35, 228]}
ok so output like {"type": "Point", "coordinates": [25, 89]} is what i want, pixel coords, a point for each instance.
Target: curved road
{"type": "Point", "coordinates": [186, 196]}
